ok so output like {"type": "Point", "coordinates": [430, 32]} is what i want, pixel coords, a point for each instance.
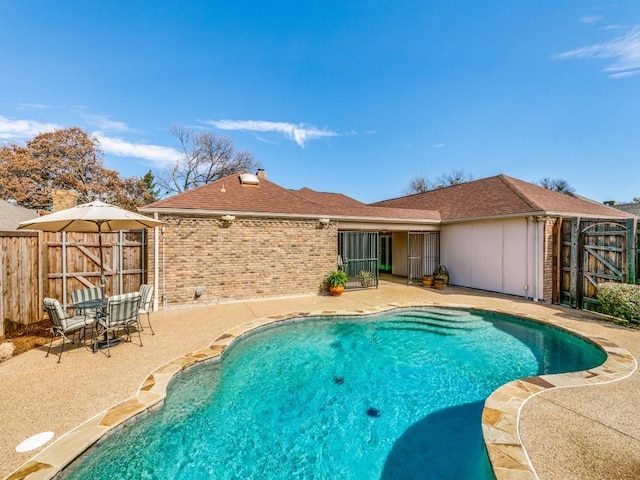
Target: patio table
{"type": "Point", "coordinates": [99, 305]}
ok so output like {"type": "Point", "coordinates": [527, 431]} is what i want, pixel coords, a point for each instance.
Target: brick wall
{"type": "Point", "coordinates": [63, 199]}
{"type": "Point", "coordinates": [207, 261]}
{"type": "Point", "coordinates": [547, 268]}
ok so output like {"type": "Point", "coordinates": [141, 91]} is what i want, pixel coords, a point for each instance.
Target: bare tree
{"type": "Point", "coordinates": [556, 184]}
{"type": "Point", "coordinates": [455, 177]}
{"type": "Point", "coordinates": [205, 157]}
{"type": "Point", "coordinates": [421, 184]}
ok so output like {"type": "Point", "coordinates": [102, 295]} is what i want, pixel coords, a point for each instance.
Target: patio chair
{"type": "Point", "coordinates": [86, 294]}
{"type": "Point", "coordinates": [122, 313]}
{"type": "Point", "coordinates": [62, 324]}
{"type": "Point", "coordinates": [146, 294]}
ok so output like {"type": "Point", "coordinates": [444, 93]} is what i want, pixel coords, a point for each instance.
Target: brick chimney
{"type": "Point", "coordinates": [63, 199]}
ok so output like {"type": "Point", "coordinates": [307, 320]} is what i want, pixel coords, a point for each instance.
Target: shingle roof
{"type": "Point", "coordinates": [501, 196]}
{"type": "Point", "coordinates": [229, 195]}
{"type": "Point", "coordinates": [632, 208]}
{"type": "Point", "coordinates": [328, 198]}
{"type": "Point", "coordinates": [12, 215]}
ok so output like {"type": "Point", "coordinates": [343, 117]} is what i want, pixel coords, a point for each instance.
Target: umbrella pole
{"type": "Point", "coordinates": [102, 279]}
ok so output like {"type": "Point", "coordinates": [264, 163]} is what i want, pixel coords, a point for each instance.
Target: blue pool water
{"type": "Point", "coordinates": [393, 396]}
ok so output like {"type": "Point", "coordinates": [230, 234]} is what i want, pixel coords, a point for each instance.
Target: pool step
{"type": "Point", "coordinates": [444, 322]}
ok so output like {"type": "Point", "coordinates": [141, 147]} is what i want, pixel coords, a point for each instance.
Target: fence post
{"type": "Point", "coordinates": [573, 262]}
{"type": "Point", "coordinates": [632, 251]}
{"type": "Point", "coordinates": [1, 289]}
{"type": "Point", "coordinates": [64, 271]}
{"type": "Point", "coordinates": [120, 260]}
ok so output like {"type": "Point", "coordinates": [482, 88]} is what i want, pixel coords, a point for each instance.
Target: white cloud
{"type": "Point", "coordinates": [37, 106]}
{"type": "Point", "coordinates": [104, 123]}
{"type": "Point", "coordinates": [12, 129]}
{"type": "Point", "coordinates": [19, 130]}
{"type": "Point", "coordinates": [299, 133]}
{"type": "Point", "coordinates": [624, 50]}
{"type": "Point", "coordinates": [628, 73]}
{"type": "Point", "coordinates": [161, 156]}
{"type": "Point", "coordinates": [612, 27]}
{"type": "Point", "coordinates": [591, 18]}
{"type": "Point", "coordinates": [438, 145]}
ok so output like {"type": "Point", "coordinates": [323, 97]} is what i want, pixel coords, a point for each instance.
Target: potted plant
{"type": "Point", "coordinates": [427, 280]}
{"type": "Point", "coordinates": [366, 278]}
{"type": "Point", "coordinates": [442, 273]}
{"type": "Point", "coordinates": [336, 281]}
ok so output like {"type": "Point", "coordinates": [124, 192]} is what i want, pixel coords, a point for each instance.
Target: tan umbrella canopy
{"type": "Point", "coordinates": [94, 217]}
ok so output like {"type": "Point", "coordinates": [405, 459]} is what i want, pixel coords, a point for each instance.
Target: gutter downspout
{"type": "Point", "coordinates": [534, 289]}
{"type": "Point", "coordinates": [156, 267]}
{"type": "Point", "coordinates": [526, 260]}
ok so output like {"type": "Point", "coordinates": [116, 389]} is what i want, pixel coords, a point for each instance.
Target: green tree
{"type": "Point", "coordinates": [149, 182]}
{"type": "Point", "coordinates": [67, 159]}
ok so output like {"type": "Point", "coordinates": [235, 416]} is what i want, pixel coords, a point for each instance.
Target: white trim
{"type": "Point", "coordinates": [314, 217]}
{"type": "Point", "coordinates": [156, 266]}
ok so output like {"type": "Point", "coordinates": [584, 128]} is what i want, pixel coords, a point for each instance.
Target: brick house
{"type": "Point", "coordinates": [244, 236]}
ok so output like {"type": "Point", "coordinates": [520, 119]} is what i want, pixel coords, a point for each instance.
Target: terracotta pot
{"type": "Point", "coordinates": [438, 283]}
{"type": "Point", "coordinates": [427, 280]}
{"type": "Point", "coordinates": [336, 291]}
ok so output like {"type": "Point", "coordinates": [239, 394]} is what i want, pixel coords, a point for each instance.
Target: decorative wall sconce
{"type": "Point", "coordinates": [324, 222]}
{"type": "Point", "coordinates": [227, 219]}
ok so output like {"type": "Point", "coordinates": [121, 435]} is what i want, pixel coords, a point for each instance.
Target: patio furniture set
{"type": "Point", "coordinates": [101, 315]}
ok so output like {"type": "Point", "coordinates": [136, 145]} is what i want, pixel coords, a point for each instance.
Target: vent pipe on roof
{"type": "Point", "coordinates": [261, 174]}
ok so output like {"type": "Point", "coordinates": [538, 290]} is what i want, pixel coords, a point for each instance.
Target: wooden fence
{"type": "Point", "coordinates": [20, 279]}
{"type": "Point", "coordinates": [37, 265]}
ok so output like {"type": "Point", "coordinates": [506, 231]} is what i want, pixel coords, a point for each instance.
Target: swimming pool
{"type": "Point", "coordinates": [395, 395]}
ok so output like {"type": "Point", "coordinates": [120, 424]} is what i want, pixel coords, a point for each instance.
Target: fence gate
{"type": "Point", "coordinates": [423, 255]}
{"type": "Point", "coordinates": [594, 251]}
{"type": "Point", "coordinates": [358, 257]}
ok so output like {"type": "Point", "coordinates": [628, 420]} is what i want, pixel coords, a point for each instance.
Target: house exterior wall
{"type": "Point", "coordinates": [399, 252]}
{"type": "Point", "coordinates": [207, 262]}
{"type": "Point", "coordinates": [548, 259]}
{"type": "Point", "coordinates": [494, 255]}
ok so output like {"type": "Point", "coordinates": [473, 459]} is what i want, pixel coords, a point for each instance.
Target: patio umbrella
{"type": "Point", "coordinates": [95, 217]}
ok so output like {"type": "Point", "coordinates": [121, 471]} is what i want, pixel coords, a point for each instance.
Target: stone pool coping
{"type": "Point", "coordinates": [500, 416]}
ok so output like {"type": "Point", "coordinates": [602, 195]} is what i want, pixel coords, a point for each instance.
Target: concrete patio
{"type": "Point", "coordinates": [586, 432]}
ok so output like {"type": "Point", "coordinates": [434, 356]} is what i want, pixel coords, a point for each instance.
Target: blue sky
{"type": "Point", "coordinates": [356, 97]}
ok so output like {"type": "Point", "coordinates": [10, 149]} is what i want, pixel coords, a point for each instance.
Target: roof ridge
{"type": "Point", "coordinates": [510, 182]}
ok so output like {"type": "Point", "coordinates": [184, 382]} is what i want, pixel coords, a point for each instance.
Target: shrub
{"type": "Point", "coordinates": [620, 300]}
